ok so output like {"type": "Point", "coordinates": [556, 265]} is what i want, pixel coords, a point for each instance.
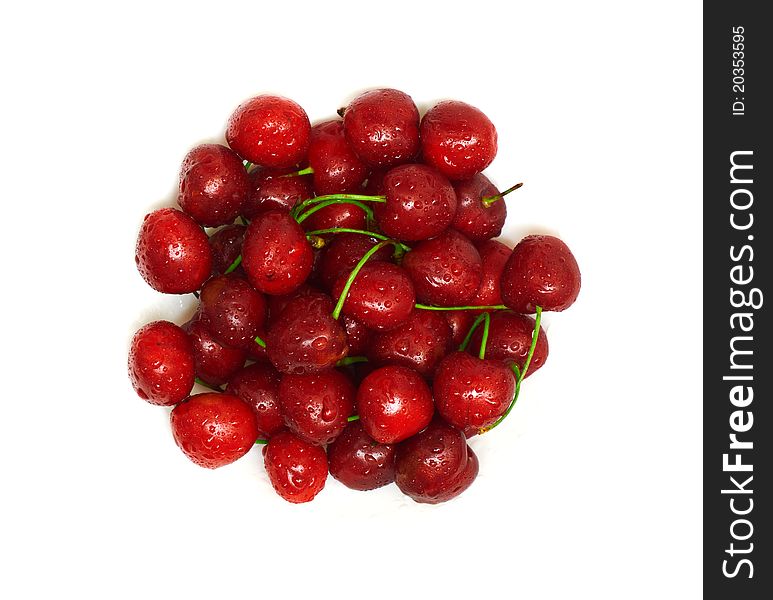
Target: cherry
{"type": "Point", "coordinates": [337, 170]}
{"type": "Point", "coordinates": [275, 254]}
{"type": "Point", "coordinates": [343, 253]}
{"type": "Point", "coordinates": [270, 131]}
{"type": "Point", "coordinates": [332, 216]}
{"type": "Point", "coordinates": [233, 311]}
{"type": "Point", "coordinates": [457, 139]}
{"type": "Point", "coordinates": [214, 362]}
{"type": "Point", "coordinates": [493, 256]}
{"type": "Point", "coordinates": [509, 339]}
{"type": "Point", "coordinates": [357, 335]}
{"type": "Point", "coordinates": [420, 343]}
{"type": "Point", "coordinates": [226, 246]}
{"type": "Point", "coordinates": [316, 406]}
{"type": "Point", "coordinates": [471, 393]}
{"type": "Point", "coordinates": [460, 322]}
{"type": "Point", "coordinates": [382, 127]}
{"type": "Point", "coordinates": [479, 216]}
{"type": "Point", "coordinates": [297, 470]}
{"type": "Point", "coordinates": [359, 462]}
{"type": "Point", "coordinates": [461, 482]}
{"type": "Point", "coordinates": [394, 403]}
{"type": "Point", "coordinates": [214, 429]}
{"type": "Point", "coordinates": [420, 203]}
{"type": "Point", "coordinates": [213, 185]}
{"type": "Point", "coordinates": [258, 385]}
{"type": "Point", "coordinates": [173, 254]}
{"type": "Point", "coordinates": [375, 183]}
{"type": "Point", "coordinates": [275, 189]}
{"type": "Point", "coordinates": [161, 363]}
{"type": "Point", "coordinates": [305, 338]}
{"type": "Point", "coordinates": [445, 270]}
{"type": "Point", "coordinates": [541, 271]}
{"type": "Point", "coordinates": [381, 296]}
{"type": "Point", "coordinates": [276, 304]}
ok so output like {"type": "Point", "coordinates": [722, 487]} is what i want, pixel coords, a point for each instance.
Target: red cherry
{"type": "Point", "coordinates": [375, 184]}
{"type": "Point", "coordinates": [509, 339]}
{"type": "Point", "coordinates": [445, 270]}
{"type": "Point", "coordinates": [316, 407]}
{"type": "Point", "coordinates": [270, 131]}
{"type": "Point", "coordinates": [173, 254]}
{"type": "Point", "coordinates": [337, 170]}
{"type": "Point", "coordinates": [275, 254]}
{"type": "Point", "coordinates": [493, 256]}
{"type": "Point", "coordinates": [394, 403]}
{"type": "Point", "coordinates": [276, 304]}
{"type": "Point", "coordinates": [161, 363]}
{"type": "Point", "coordinates": [460, 322]}
{"type": "Point", "coordinates": [226, 246]}
{"type": "Point", "coordinates": [343, 253]}
{"type": "Point", "coordinates": [213, 429]}
{"type": "Point", "coordinates": [359, 462]}
{"type": "Point", "coordinates": [382, 127]}
{"type": "Point", "coordinates": [297, 470]}
{"type": "Point", "coordinates": [357, 336]}
{"type": "Point", "coordinates": [331, 216]}
{"type": "Point", "coordinates": [461, 482]}
{"type": "Point", "coordinates": [213, 185]}
{"type": "Point", "coordinates": [233, 311]}
{"type": "Point", "coordinates": [541, 271]}
{"type": "Point", "coordinates": [457, 139]}
{"type": "Point", "coordinates": [269, 189]}
{"type": "Point", "coordinates": [420, 203]}
{"type": "Point", "coordinates": [258, 386]}
{"type": "Point", "coordinates": [475, 219]}
{"type": "Point", "coordinates": [214, 363]}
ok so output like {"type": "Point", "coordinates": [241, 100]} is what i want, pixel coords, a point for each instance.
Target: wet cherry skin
{"type": "Point", "coordinates": [346, 215]}
{"type": "Point", "coordinates": [297, 469]}
{"type": "Point", "coordinates": [214, 362]}
{"type": "Point", "coordinates": [342, 254]}
{"type": "Point", "coordinates": [173, 254]}
{"type": "Point", "coordinates": [214, 429]}
{"type": "Point", "coordinates": [493, 255]}
{"type": "Point", "coordinates": [233, 310]}
{"type": "Point", "coordinates": [337, 170]}
{"type": "Point", "coordinates": [258, 385]}
{"type": "Point", "coordinates": [509, 340]}
{"type": "Point", "coordinates": [473, 218]}
{"type": "Point", "coordinates": [357, 336]}
{"type": "Point", "coordinates": [161, 363]}
{"type": "Point", "coordinates": [269, 189]}
{"type": "Point", "coordinates": [460, 322]}
{"type": "Point", "coordinates": [541, 271]}
{"type": "Point", "coordinates": [461, 482]}
{"type": "Point", "coordinates": [394, 403]}
{"type": "Point", "coordinates": [270, 131]}
{"type": "Point", "coordinates": [359, 462]}
{"type": "Point", "coordinates": [226, 246]}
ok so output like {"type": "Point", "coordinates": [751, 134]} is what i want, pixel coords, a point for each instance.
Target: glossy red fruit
{"type": "Point", "coordinates": [276, 304]}
{"type": "Point", "coordinates": [297, 470]}
{"type": "Point", "coordinates": [213, 185]}
{"type": "Point", "coordinates": [541, 271]}
{"type": "Point", "coordinates": [350, 216]}
{"type": "Point", "coordinates": [270, 131]}
{"type": "Point", "coordinates": [305, 338]}
{"type": "Point", "coordinates": [316, 407]}
{"type": "Point", "coordinates": [446, 270]}
{"type": "Point", "coordinates": [394, 403]}
{"type": "Point", "coordinates": [420, 203]}
{"type": "Point", "coordinates": [275, 254]}
{"type": "Point", "coordinates": [161, 363]}
{"type": "Point", "coordinates": [173, 254]}
{"type": "Point", "coordinates": [382, 127]}
{"type": "Point", "coordinates": [233, 310]}
{"type": "Point", "coordinates": [471, 393]}
{"type": "Point", "coordinates": [432, 466]}
{"type": "Point", "coordinates": [357, 336]}
{"type": "Point", "coordinates": [343, 253]}
{"type": "Point", "coordinates": [226, 246]}
{"type": "Point", "coordinates": [258, 385]}
{"type": "Point", "coordinates": [214, 429]}
{"type": "Point", "coordinates": [473, 218]}
{"type": "Point", "coordinates": [457, 139]}
{"type": "Point", "coordinates": [359, 462]}
{"type": "Point", "coordinates": [337, 170]}
{"type": "Point", "coordinates": [381, 296]}
{"type": "Point", "coordinates": [460, 322]}
{"type": "Point", "coordinates": [214, 363]}
{"type": "Point", "coordinates": [509, 339]}
{"type": "Point", "coordinates": [270, 189]}
{"type": "Point", "coordinates": [420, 343]}
{"type": "Point", "coordinates": [493, 255]}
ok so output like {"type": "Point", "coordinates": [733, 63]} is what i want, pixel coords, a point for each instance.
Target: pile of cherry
{"type": "Point", "coordinates": [355, 314]}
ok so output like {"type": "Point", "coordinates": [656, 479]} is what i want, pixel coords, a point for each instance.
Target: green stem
{"type": "Point", "coordinates": [259, 341]}
{"type": "Point", "coordinates": [473, 327]}
{"type": "Point", "coordinates": [489, 200]}
{"type": "Point", "coordinates": [373, 234]}
{"type": "Point", "coordinates": [244, 221]}
{"type": "Point", "coordinates": [484, 339]}
{"type": "Point", "coordinates": [248, 166]}
{"type": "Point", "coordinates": [214, 388]}
{"type": "Point", "coordinates": [233, 266]}
{"type": "Point", "coordinates": [350, 360]}
{"type": "Point", "coordinates": [306, 171]}
{"type": "Point", "coordinates": [366, 209]}
{"type": "Point", "coordinates": [345, 292]}
{"type": "Point", "coordinates": [261, 441]}
{"type": "Point", "coordinates": [492, 307]}
{"type": "Point", "coordinates": [359, 197]}
{"type": "Point", "coordinates": [353, 418]}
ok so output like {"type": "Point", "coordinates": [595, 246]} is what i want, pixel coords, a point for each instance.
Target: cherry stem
{"type": "Point", "coordinates": [353, 418]}
{"type": "Point", "coordinates": [234, 265]}
{"type": "Point", "coordinates": [214, 388]}
{"type": "Point", "coordinates": [484, 339]}
{"type": "Point", "coordinates": [489, 200]}
{"type": "Point", "coordinates": [350, 360]}
{"type": "Point", "coordinates": [318, 199]}
{"type": "Point", "coordinates": [244, 221]}
{"type": "Point", "coordinates": [473, 327]}
{"type": "Point", "coordinates": [491, 307]}
{"type": "Point", "coordinates": [520, 373]}
{"type": "Point", "coordinates": [306, 171]}
{"type": "Point", "coordinates": [259, 341]}
{"type": "Point", "coordinates": [366, 209]}
{"type": "Point", "coordinates": [196, 294]}
{"type": "Point", "coordinates": [248, 166]}
{"type": "Point", "coordinates": [261, 441]}
{"type": "Point", "coordinates": [373, 234]}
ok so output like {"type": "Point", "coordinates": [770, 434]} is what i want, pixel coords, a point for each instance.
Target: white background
{"type": "Point", "coordinates": [591, 489]}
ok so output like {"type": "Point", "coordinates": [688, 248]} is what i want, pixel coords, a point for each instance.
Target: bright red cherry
{"type": "Point", "coordinates": [346, 215]}
{"type": "Point", "coordinates": [297, 470]}
{"type": "Point", "coordinates": [476, 219]}
{"type": "Point", "coordinates": [359, 462]}
{"type": "Point", "coordinates": [493, 256]}
{"type": "Point", "coordinates": [275, 189]}
{"type": "Point", "coordinates": [258, 385]}
{"type": "Point", "coordinates": [509, 339]}
{"type": "Point", "coordinates": [337, 170]}
{"type": "Point", "coordinates": [214, 362]}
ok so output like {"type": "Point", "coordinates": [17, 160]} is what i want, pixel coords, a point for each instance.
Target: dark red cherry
{"type": "Point", "coordinates": [357, 336]}
{"type": "Point", "coordinates": [343, 253]}
{"type": "Point", "coordinates": [471, 393]}
{"type": "Point", "coordinates": [305, 338]}
{"type": "Point", "coordinates": [445, 270]}
{"type": "Point", "coordinates": [173, 254]}
{"type": "Point", "coordinates": [460, 483]}
{"type": "Point", "coordinates": [233, 310]}
{"type": "Point", "coordinates": [213, 185]}
{"type": "Point", "coordinates": [420, 343]}
{"type": "Point", "coordinates": [316, 406]}
{"type": "Point", "coordinates": [275, 254]}
{"type": "Point", "coordinates": [360, 462]}
{"type": "Point", "coordinates": [381, 296]}
{"type": "Point", "coordinates": [375, 184]}
{"type": "Point", "coordinates": [420, 203]}
{"type": "Point", "coordinates": [226, 246]}
{"type": "Point", "coordinates": [460, 322]}
{"type": "Point", "coordinates": [493, 256]}
{"type": "Point", "coordinates": [337, 170]}
{"type": "Point", "coordinates": [382, 127]}
{"type": "Point", "coordinates": [346, 215]}
{"type": "Point", "coordinates": [394, 403]}
{"type": "Point", "coordinates": [258, 385]}
{"type": "Point", "coordinates": [270, 131]}
{"type": "Point", "coordinates": [541, 271]}
{"type": "Point", "coordinates": [161, 363]}
{"type": "Point", "coordinates": [475, 219]}
{"type": "Point", "coordinates": [509, 339]}
{"type": "Point", "coordinates": [457, 139]}
{"type": "Point", "coordinates": [297, 470]}
{"type": "Point", "coordinates": [213, 429]}
{"type": "Point", "coordinates": [272, 189]}
{"type": "Point", "coordinates": [276, 304]}
{"type": "Point", "coordinates": [214, 362]}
